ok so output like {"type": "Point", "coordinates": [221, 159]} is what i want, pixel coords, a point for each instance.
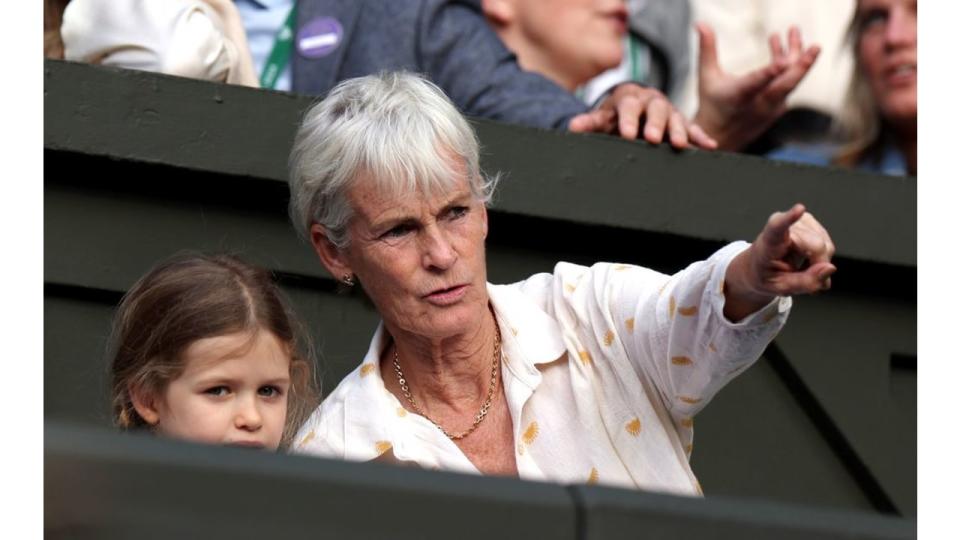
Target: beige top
{"type": "Point", "coordinates": [202, 39]}
{"type": "Point", "coordinates": [603, 370]}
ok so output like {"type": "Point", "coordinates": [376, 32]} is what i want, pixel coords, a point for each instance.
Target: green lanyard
{"type": "Point", "coordinates": [637, 64]}
{"type": "Point", "coordinates": [280, 54]}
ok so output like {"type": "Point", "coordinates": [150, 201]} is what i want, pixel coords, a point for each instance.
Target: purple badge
{"type": "Point", "coordinates": [319, 37]}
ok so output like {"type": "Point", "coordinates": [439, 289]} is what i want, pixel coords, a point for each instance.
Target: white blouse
{"type": "Point", "coordinates": [603, 369]}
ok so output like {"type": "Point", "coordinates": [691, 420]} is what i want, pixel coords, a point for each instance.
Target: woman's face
{"type": "Point", "coordinates": [580, 37]}
{"type": "Point", "coordinates": [887, 51]}
{"type": "Point", "coordinates": [421, 260]}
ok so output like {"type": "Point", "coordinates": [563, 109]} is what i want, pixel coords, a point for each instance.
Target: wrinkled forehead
{"type": "Point", "coordinates": [441, 174]}
{"type": "Point", "coordinates": [370, 198]}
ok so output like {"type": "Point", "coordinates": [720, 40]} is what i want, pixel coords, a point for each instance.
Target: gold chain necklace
{"type": "Point", "coordinates": [483, 408]}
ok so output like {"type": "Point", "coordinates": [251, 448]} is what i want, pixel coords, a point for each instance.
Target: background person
{"type": "Point", "coordinates": [583, 375]}
{"type": "Point", "coordinates": [572, 41]}
{"type": "Point", "coordinates": [202, 39]}
{"type": "Point", "coordinates": [206, 349]}
{"type": "Point", "coordinates": [451, 42]}
{"type": "Point", "coordinates": [879, 128]}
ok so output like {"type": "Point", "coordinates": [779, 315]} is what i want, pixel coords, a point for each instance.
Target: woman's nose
{"type": "Point", "coordinates": [902, 27]}
{"type": "Point", "coordinates": [438, 252]}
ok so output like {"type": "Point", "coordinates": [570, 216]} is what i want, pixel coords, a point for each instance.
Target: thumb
{"type": "Point", "coordinates": [708, 49]}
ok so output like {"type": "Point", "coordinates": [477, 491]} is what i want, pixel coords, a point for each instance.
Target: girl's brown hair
{"type": "Point", "coordinates": [190, 297]}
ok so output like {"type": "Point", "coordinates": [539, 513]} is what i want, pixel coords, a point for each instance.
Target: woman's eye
{"type": "Point", "coordinates": [459, 211]}
{"type": "Point", "coordinates": [397, 232]}
{"type": "Point", "coordinates": [269, 391]}
{"type": "Point", "coordinates": [217, 391]}
{"type": "Point", "coordinates": [872, 18]}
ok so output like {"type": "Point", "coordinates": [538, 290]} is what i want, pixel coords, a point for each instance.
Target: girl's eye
{"type": "Point", "coordinates": [269, 391]}
{"type": "Point", "coordinates": [217, 391]}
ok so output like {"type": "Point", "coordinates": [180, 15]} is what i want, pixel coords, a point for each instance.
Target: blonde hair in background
{"type": "Point", "coordinates": [859, 122]}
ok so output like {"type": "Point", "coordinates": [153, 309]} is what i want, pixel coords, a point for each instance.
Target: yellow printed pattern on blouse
{"type": "Point", "coordinates": [673, 306]}
{"type": "Point", "coordinates": [687, 422]}
{"type": "Point", "coordinates": [383, 446]}
{"type": "Point", "coordinates": [367, 369]}
{"type": "Point", "coordinates": [594, 476]}
{"type": "Point", "coordinates": [530, 434]}
{"type": "Point", "coordinates": [633, 427]}
{"type": "Point", "coordinates": [681, 361]}
{"type": "Point", "coordinates": [307, 438]}
{"type": "Point", "coordinates": [585, 358]}
{"type": "Point", "coordinates": [690, 400]}
{"type": "Point", "coordinates": [401, 412]}
{"type": "Point", "coordinates": [608, 338]}
{"type": "Point", "coordinates": [629, 323]}
{"type": "Point", "coordinates": [569, 287]}
{"type": "Point", "coordinates": [712, 347]}
{"type": "Point", "coordinates": [689, 311]}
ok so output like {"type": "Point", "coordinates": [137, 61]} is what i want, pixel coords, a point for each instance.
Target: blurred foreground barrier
{"type": "Point", "coordinates": [104, 485]}
{"type": "Point", "coordinates": [140, 165]}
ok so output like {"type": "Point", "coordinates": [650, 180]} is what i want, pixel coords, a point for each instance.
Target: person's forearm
{"type": "Point", "coordinates": [740, 299]}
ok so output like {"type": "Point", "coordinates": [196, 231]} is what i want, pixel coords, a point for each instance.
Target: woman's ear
{"type": "Point", "coordinates": [145, 403]}
{"type": "Point", "coordinates": [483, 213]}
{"type": "Point", "coordinates": [332, 257]}
{"type": "Point", "coordinates": [499, 12]}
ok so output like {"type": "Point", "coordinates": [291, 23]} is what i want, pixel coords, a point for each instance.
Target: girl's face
{"type": "Point", "coordinates": [233, 391]}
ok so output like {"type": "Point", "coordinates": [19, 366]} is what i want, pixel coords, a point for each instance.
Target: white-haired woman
{"type": "Point", "coordinates": [583, 375]}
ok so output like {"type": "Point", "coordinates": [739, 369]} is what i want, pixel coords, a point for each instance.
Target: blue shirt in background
{"type": "Point", "coordinates": [262, 20]}
{"type": "Point", "coordinates": [890, 162]}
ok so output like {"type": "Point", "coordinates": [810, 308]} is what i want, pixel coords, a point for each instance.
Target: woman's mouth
{"type": "Point", "coordinates": [901, 74]}
{"type": "Point", "coordinates": [445, 297]}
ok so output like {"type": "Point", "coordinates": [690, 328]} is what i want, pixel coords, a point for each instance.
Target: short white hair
{"type": "Point", "coordinates": [396, 129]}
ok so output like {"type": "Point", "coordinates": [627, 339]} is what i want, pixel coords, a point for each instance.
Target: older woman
{"type": "Point", "coordinates": [582, 375]}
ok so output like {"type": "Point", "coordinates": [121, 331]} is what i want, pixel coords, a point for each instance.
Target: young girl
{"type": "Point", "coordinates": [206, 349]}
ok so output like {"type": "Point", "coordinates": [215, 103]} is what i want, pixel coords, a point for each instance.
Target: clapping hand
{"type": "Point", "coordinates": [735, 110]}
